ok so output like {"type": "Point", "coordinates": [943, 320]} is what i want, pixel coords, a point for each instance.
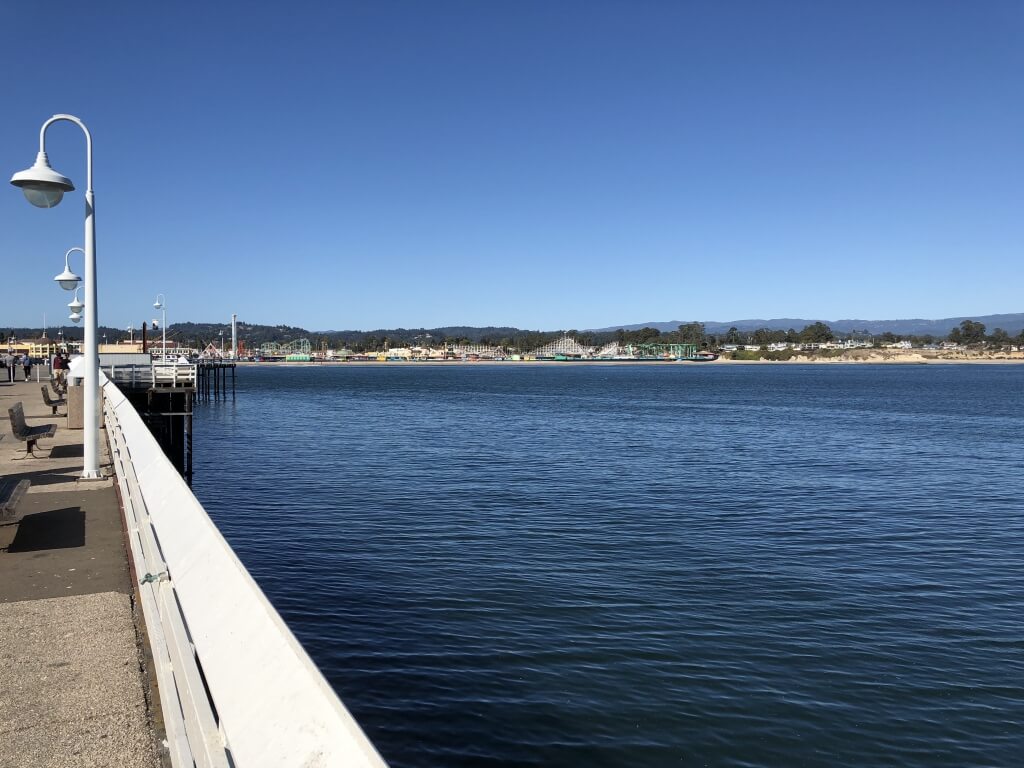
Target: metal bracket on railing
{"type": "Point", "coordinates": [152, 578]}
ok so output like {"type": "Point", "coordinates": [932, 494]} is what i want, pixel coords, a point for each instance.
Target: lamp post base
{"type": "Point", "coordinates": [91, 474]}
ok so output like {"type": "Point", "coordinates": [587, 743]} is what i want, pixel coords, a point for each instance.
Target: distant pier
{"type": "Point", "coordinates": [212, 379]}
{"type": "Point", "coordinates": [163, 394]}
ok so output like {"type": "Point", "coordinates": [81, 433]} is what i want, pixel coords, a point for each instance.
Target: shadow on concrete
{"type": "Point", "coordinates": [54, 529]}
{"type": "Point", "coordinates": [67, 451]}
{"type": "Point", "coordinates": [46, 476]}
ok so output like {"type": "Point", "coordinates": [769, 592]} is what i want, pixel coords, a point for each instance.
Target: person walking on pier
{"type": "Point", "coordinates": [26, 365]}
{"type": "Point", "coordinates": [9, 365]}
{"type": "Point", "coordinates": [57, 369]}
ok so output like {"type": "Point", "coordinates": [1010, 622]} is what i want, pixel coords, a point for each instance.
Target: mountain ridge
{"type": "Point", "coordinates": [1012, 323]}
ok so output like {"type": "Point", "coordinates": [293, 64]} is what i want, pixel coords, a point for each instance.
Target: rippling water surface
{"type": "Point", "coordinates": [585, 565]}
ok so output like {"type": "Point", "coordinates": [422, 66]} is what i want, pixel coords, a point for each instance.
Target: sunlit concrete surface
{"type": "Point", "coordinates": [71, 684]}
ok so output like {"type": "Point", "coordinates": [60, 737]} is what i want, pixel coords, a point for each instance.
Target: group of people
{"type": "Point", "coordinates": [11, 363]}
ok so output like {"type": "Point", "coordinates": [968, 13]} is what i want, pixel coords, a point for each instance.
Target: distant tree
{"type": "Point", "coordinates": [764, 336]}
{"type": "Point", "coordinates": [816, 333]}
{"type": "Point", "coordinates": [970, 332]}
{"type": "Point", "coordinates": [732, 336]}
{"type": "Point", "coordinates": [792, 337]}
{"type": "Point", "coordinates": [641, 336]}
{"type": "Point", "coordinates": [691, 333]}
{"type": "Point", "coordinates": [999, 338]}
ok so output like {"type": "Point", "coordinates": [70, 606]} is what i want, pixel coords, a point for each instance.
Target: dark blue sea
{"type": "Point", "coordinates": [659, 565]}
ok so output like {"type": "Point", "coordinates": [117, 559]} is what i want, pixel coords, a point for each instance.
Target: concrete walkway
{"type": "Point", "coordinates": [72, 687]}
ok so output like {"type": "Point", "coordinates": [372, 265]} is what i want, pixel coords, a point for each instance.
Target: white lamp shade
{"type": "Point", "coordinates": [43, 186]}
{"type": "Point", "coordinates": [42, 195]}
{"type": "Point", "coordinates": [68, 280]}
{"type": "Point", "coordinates": [75, 317]}
{"type": "Point", "coordinates": [75, 306]}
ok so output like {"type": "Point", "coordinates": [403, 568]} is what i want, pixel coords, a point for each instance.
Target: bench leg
{"type": "Point", "coordinates": [30, 450]}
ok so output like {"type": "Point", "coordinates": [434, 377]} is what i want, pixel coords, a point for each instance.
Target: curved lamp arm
{"type": "Point", "coordinates": [67, 279]}
{"type": "Point", "coordinates": [88, 144]}
{"type": "Point", "coordinates": [68, 255]}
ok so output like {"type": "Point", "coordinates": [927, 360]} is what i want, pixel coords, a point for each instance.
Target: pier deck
{"type": "Point", "coordinates": [72, 690]}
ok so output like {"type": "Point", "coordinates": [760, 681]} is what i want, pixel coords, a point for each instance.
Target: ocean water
{"type": "Point", "coordinates": [619, 565]}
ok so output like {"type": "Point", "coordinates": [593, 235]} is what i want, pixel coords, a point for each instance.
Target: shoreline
{"type": "Point", "coordinates": [871, 359]}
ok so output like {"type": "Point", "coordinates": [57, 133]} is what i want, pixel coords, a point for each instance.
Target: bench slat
{"type": "Point", "coordinates": [11, 492]}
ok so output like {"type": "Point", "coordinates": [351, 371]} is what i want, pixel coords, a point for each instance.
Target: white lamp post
{"type": "Point", "coordinates": [159, 304]}
{"type": "Point", "coordinates": [45, 188]}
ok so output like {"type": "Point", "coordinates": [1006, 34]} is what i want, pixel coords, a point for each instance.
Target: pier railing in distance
{"type": "Point", "coordinates": [154, 374]}
{"type": "Point", "coordinates": [236, 688]}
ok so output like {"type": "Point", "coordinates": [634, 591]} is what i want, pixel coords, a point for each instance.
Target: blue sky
{"type": "Point", "coordinates": [538, 164]}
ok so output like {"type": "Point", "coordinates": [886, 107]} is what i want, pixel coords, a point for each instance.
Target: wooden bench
{"type": "Point", "coordinates": [30, 435]}
{"type": "Point", "coordinates": [53, 403]}
{"type": "Point", "coordinates": [11, 491]}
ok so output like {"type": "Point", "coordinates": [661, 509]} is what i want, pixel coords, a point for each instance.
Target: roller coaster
{"type": "Point", "coordinates": [648, 351]}
{"type": "Point", "coordinates": [292, 349]}
{"type": "Point", "coordinates": [566, 346]}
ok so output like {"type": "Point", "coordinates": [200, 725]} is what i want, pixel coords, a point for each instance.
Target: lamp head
{"type": "Point", "coordinates": [158, 304]}
{"type": "Point", "coordinates": [75, 317]}
{"type": "Point", "coordinates": [43, 186]}
{"type": "Point", "coordinates": [68, 280]}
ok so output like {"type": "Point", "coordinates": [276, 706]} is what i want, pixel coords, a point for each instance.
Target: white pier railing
{"type": "Point", "coordinates": [264, 702]}
{"type": "Point", "coordinates": [154, 374]}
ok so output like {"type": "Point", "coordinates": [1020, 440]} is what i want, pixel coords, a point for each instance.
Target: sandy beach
{"type": "Point", "coordinates": [893, 356]}
{"type": "Point", "coordinates": [849, 357]}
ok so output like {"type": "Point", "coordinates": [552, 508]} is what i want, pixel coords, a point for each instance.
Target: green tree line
{"type": "Point", "coordinates": [969, 333]}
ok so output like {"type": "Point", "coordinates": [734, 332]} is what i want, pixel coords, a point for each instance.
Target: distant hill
{"type": "Point", "coordinates": [1011, 323]}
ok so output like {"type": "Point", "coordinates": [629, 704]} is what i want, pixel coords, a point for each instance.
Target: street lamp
{"type": "Point", "coordinates": [159, 304]}
{"type": "Point", "coordinates": [76, 307]}
{"type": "Point", "coordinates": [67, 279]}
{"type": "Point", "coordinates": [45, 188]}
